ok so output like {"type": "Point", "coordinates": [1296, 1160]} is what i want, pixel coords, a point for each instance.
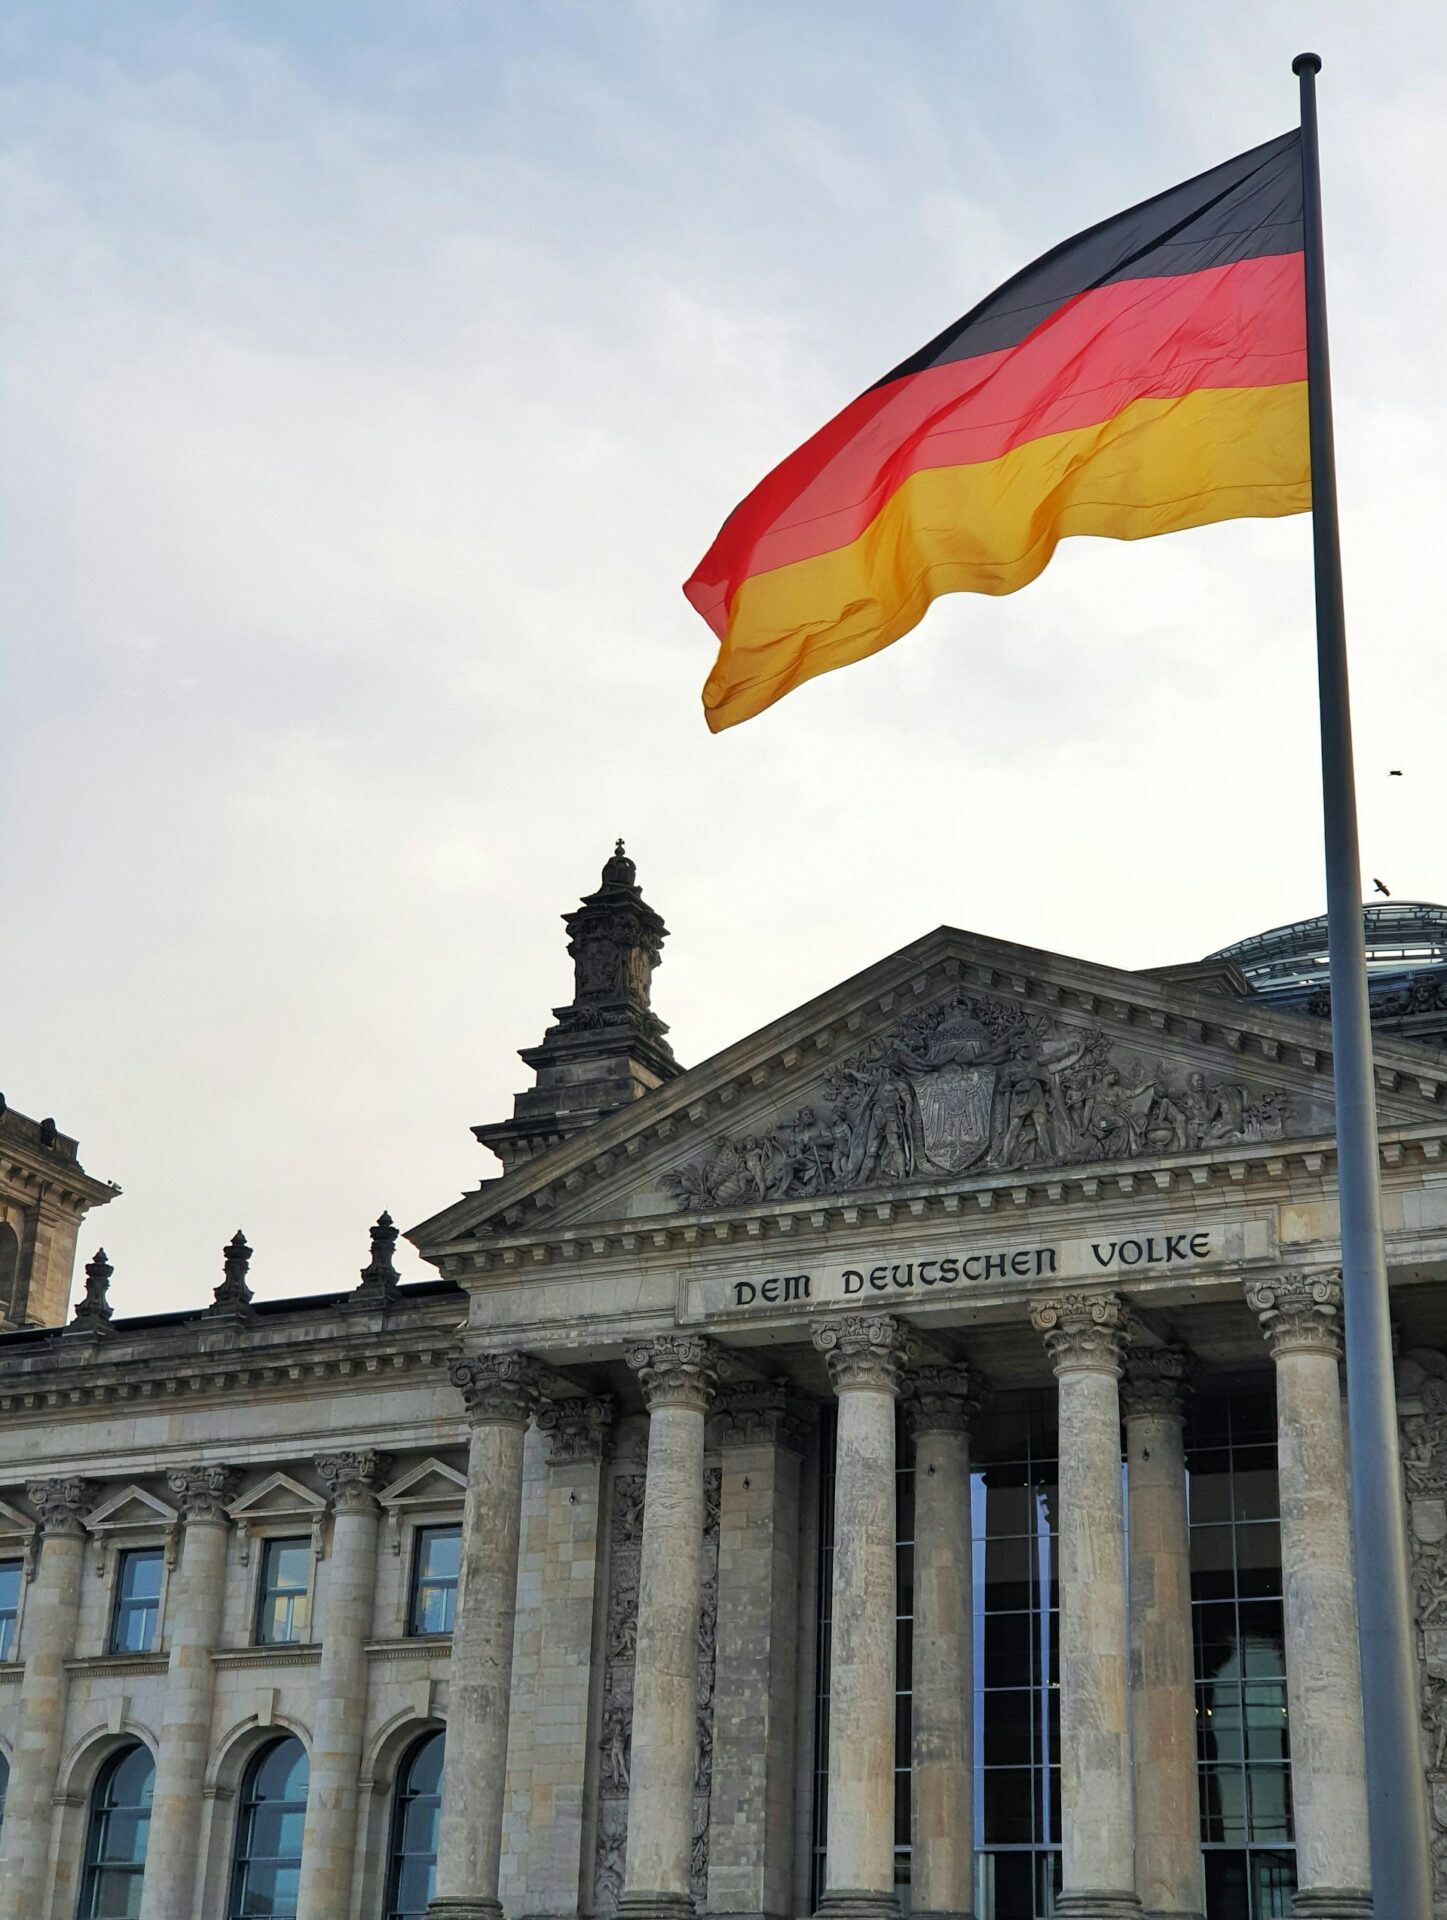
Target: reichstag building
{"type": "Point", "coordinates": [896, 1465]}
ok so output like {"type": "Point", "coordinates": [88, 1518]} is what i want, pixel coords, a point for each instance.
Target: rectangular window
{"type": "Point", "coordinates": [12, 1574]}
{"type": "Point", "coordinates": [136, 1618]}
{"type": "Point", "coordinates": [434, 1579]}
{"type": "Point", "coordinates": [283, 1607]}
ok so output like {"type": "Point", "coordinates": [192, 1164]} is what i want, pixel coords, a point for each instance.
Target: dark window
{"type": "Point", "coordinates": [283, 1607]}
{"type": "Point", "coordinates": [412, 1867]}
{"type": "Point", "coordinates": [138, 1601]}
{"type": "Point", "coordinates": [12, 1576]}
{"type": "Point", "coordinates": [434, 1579]}
{"type": "Point", "coordinates": [4, 1788]}
{"type": "Point", "coordinates": [9, 1268]}
{"type": "Point", "coordinates": [115, 1844]}
{"type": "Point", "coordinates": [1242, 1742]}
{"type": "Point", "coordinates": [267, 1868]}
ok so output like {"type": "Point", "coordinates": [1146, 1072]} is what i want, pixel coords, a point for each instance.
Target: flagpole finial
{"type": "Point", "coordinates": [1306, 63]}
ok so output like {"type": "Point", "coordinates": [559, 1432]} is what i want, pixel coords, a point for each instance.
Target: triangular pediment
{"type": "Point", "coordinates": [131, 1507]}
{"type": "Point", "coordinates": [957, 1061]}
{"type": "Point", "coordinates": [15, 1525]}
{"type": "Point", "coordinates": [431, 1483]}
{"type": "Point", "coordinates": [278, 1497]}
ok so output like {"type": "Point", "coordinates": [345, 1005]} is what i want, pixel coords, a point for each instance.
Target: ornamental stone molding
{"type": "Point", "coordinates": [1299, 1312]}
{"type": "Point", "coordinates": [763, 1412]}
{"type": "Point", "coordinates": [675, 1370]}
{"type": "Point", "coordinates": [62, 1502]}
{"type": "Point", "coordinates": [942, 1399]}
{"type": "Point", "coordinates": [498, 1389]}
{"type": "Point", "coordinates": [1157, 1383]}
{"type": "Point", "coordinates": [203, 1493]}
{"type": "Point", "coordinates": [351, 1476]}
{"type": "Point", "coordinates": [865, 1350]}
{"type": "Point", "coordinates": [578, 1428]}
{"type": "Point", "coordinates": [1083, 1332]}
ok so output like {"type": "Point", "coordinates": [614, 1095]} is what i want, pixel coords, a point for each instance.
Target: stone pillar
{"type": "Point", "coordinates": [677, 1373]}
{"type": "Point", "coordinates": [51, 1609]}
{"type": "Point", "coordinates": [941, 1401]}
{"type": "Point", "coordinates": [564, 1772]}
{"type": "Point", "coordinates": [339, 1717]}
{"type": "Point", "coordinates": [1085, 1337]}
{"type": "Point", "coordinates": [865, 1354]}
{"type": "Point", "coordinates": [194, 1609]}
{"type": "Point", "coordinates": [1168, 1873]}
{"type": "Point", "coordinates": [1300, 1315]}
{"type": "Point", "coordinates": [499, 1391]}
{"type": "Point", "coordinates": [760, 1429]}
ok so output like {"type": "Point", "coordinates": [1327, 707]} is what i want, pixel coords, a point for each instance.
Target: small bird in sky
{"type": "Point", "coordinates": [1381, 889]}
{"type": "Point", "coordinates": [1395, 773]}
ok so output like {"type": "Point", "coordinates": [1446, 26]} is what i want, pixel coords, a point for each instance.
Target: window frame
{"type": "Point", "coordinates": [242, 1857]}
{"type": "Point", "coordinates": [97, 1820]}
{"type": "Point", "coordinates": [420, 1530]}
{"type": "Point", "coordinates": [10, 1652]}
{"type": "Point", "coordinates": [397, 1855]}
{"type": "Point", "coordinates": [124, 1557]}
{"type": "Point", "coordinates": [267, 1545]}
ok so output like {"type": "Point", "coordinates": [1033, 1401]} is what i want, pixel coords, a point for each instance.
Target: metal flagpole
{"type": "Point", "coordinates": [1396, 1797]}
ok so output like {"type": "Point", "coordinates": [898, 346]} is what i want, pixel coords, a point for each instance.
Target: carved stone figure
{"type": "Point", "coordinates": [974, 1083]}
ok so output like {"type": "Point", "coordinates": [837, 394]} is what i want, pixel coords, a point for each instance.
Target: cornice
{"type": "Point", "coordinates": [305, 1653]}
{"type": "Point", "coordinates": [1266, 1170]}
{"type": "Point", "coordinates": [119, 1665]}
{"type": "Point", "coordinates": [436, 1646]}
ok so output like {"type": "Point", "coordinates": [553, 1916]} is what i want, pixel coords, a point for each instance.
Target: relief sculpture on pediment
{"type": "Point", "coordinates": [1424, 1471]}
{"type": "Point", "coordinates": [973, 1084]}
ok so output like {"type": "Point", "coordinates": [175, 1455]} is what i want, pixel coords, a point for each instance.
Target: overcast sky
{"type": "Point", "coordinates": [374, 376]}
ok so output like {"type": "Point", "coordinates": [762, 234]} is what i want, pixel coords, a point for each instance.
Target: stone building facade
{"type": "Point", "coordinates": [897, 1464]}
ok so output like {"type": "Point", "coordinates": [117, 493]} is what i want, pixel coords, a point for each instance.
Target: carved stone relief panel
{"type": "Point", "coordinates": [978, 1084]}
{"type": "Point", "coordinates": [1422, 1383]}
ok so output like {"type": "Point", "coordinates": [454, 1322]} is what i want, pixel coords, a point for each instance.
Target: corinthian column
{"type": "Point", "coordinates": [51, 1608]}
{"type": "Point", "coordinates": [1300, 1315]}
{"type": "Point", "coordinates": [499, 1391]}
{"type": "Point", "coordinates": [339, 1721]}
{"type": "Point", "coordinates": [941, 1403]}
{"type": "Point", "coordinates": [1163, 1677]}
{"type": "Point", "coordinates": [677, 1373]}
{"type": "Point", "coordinates": [197, 1595]}
{"type": "Point", "coordinates": [865, 1354]}
{"type": "Point", "coordinates": [1085, 1337]}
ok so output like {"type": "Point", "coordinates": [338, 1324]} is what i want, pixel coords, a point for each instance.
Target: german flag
{"type": "Point", "coordinates": [1148, 375]}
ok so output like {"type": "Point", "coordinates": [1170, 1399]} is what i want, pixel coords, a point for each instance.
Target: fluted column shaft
{"type": "Point", "coordinates": [1162, 1664]}
{"type": "Point", "coordinates": [1300, 1315]}
{"type": "Point", "coordinates": [194, 1611]}
{"type": "Point", "coordinates": [51, 1609]}
{"type": "Point", "coordinates": [866, 1354]}
{"type": "Point", "coordinates": [677, 1373]}
{"type": "Point", "coordinates": [941, 1402]}
{"type": "Point", "coordinates": [1084, 1336]}
{"type": "Point", "coordinates": [499, 1392]}
{"type": "Point", "coordinates": [340, 1717]}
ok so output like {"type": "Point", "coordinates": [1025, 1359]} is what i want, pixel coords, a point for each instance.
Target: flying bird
{"type": "Point", "coordinates": [1381, 889]}
{"type": "Point", "coordinates": [1395, 774]}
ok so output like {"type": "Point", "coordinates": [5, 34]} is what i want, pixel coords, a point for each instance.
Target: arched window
{"type": "Point", "coordinates": [267, 1869]}
{"type": "Point", "coordinates": [115, 1843]}
{"type": "Point", "coordinates": [4, 1788]}
{"type": "Point", "coordinates": [412, 1866]}
{"type": "Point", "coordinates": [9, 1266]}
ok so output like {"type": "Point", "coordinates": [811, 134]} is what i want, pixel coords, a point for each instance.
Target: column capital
{"type": "Point", "coordinates": [1157, 1383]}
{"type": "Point", "coordinates": [1083, 1332]}
{"type": "Point", "coordinates": [498, 1389]}
{"type": "Point", "coordinates": [62, 1502]}
{"type": "Point", "coordinates": [865, 1350]}
{"type": "Point", "coordinates": [768, 1411]}
{"type": "Point", "coordinates": [577, 1428]}
{"type": "Point", "coordinates": [1299, 1312]}
{"type": "Point", "coordinates": [202, 1492]}
{"type": "Point", "coordinates": [352, 1475]}
{"type": "Point", "coordinates": [942, 1399]}
{"type": "Point", "coordinates": [675, 1370]}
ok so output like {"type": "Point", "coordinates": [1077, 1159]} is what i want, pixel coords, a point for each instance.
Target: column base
{"type": "Point", "coordinates": [1332, 1903]}
{"type": "Point", "coordinates": [451, 1908]}
{"type": "Point", "coordinates": [1092, 1905]}
{"type": "Point", "coordinates": [657, 1906]}
{"type": "Point", "coordinates": [856, 1903]}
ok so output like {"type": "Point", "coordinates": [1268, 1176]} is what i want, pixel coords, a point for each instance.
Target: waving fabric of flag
{"type": "Point", "coordinates": [1148, 375]}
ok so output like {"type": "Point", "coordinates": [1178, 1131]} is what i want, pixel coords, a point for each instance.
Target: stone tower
{"type": "Point", "coordinates": [45, 1193]}
{"type": "Point", "coordinates": [607, 1046]}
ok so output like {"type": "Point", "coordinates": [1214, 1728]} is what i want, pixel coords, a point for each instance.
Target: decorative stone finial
{"type": "Point", "coordinates": [675, 1370]}
{"type": "Point", "coordinates": [499, 1389]}
{"type": "Point", "coordinates": [380, 1277]}
{"type": "Point", "coordinates": [577, 1428]}
{"type": "Point", "coordinates": [1084, 1332]}
{"type": "Point", "coordinates": [942, 1399]}
{"type": "Point", "coordinates": [201, 1493]}
{"type": "Point", "coordinates": [1299, 1312]}
{"type": "Point", "coordinates": [865, 1350]}
{"type": "Point", "coordinates": [351, 1476]}
{"type": "Point", "coordinates": [1157, 1383]}
{"type": "Point", "coordinates": [93, 1310]}
{"type": "Point", "coordinates": [234, 1295]}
